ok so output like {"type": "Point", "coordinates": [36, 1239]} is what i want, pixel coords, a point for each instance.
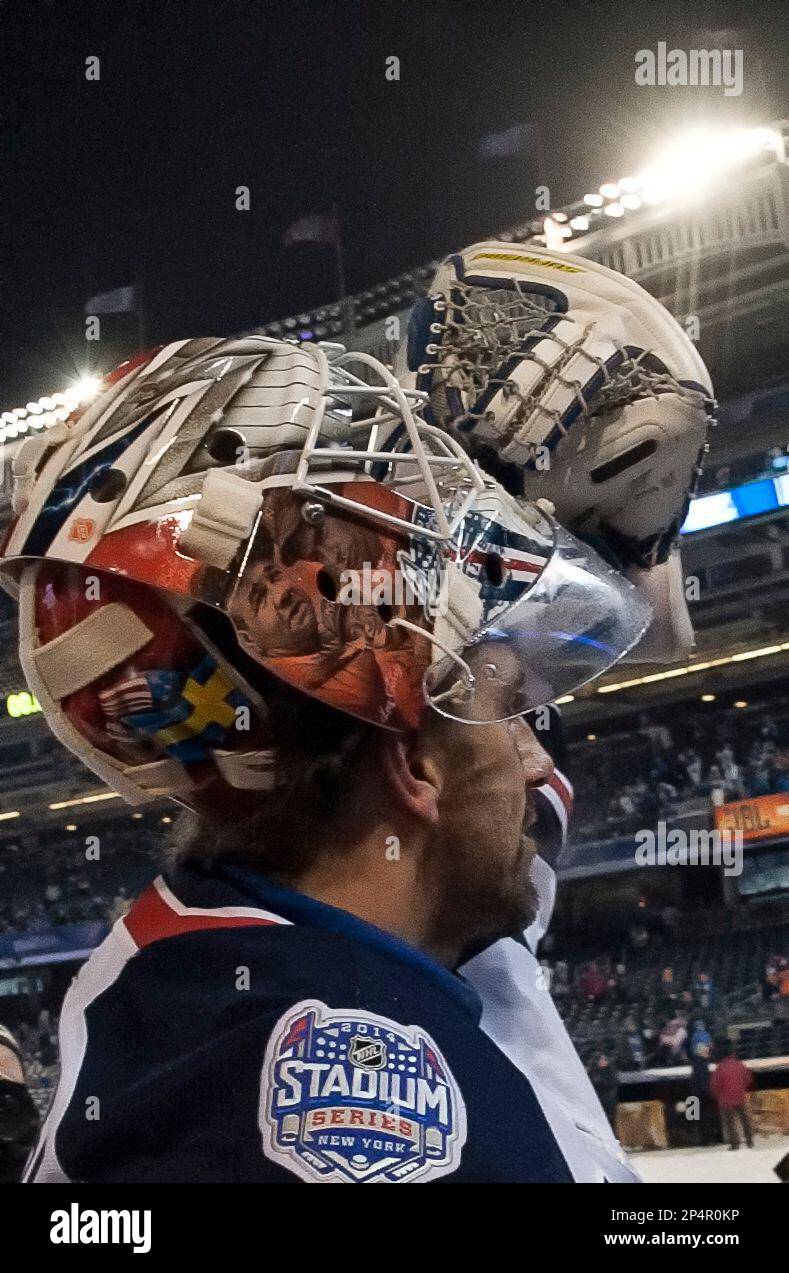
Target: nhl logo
{"type": "Point", "coordinates": [368, 1054]}
{"type": "Point", "coordinates": [350, 1096]}
{"type": "Point", "coordinates": [81, 529]}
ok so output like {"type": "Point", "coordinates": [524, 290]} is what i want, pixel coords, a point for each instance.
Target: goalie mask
{"type": "Point", "coordinates": [574, 378]}
{"type": "Point", "coordinates": [243, 481]}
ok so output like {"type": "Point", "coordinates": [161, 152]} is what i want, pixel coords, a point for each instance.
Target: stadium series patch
{"type": "Point", "coordinates": [348, 1096]}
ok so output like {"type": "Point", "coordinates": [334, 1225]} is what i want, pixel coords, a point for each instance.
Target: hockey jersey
{"type": "Point", "coordinates": [231, 1029]}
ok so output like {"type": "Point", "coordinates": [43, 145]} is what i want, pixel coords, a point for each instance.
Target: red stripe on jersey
{"type": "Point", "coordinates": [558, 783]}
{"type": "Point", "coordinates": [151, 919]}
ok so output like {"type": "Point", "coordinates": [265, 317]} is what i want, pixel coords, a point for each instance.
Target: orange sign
{"type": "Point", "coordinates": [758, 818]}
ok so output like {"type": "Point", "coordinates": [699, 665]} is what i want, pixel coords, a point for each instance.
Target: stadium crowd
{"type": "Point", "coordinates": [59, 883]}
{"type": "Point", "coordinates": [730, 756]}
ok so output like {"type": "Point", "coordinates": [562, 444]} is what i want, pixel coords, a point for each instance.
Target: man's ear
{"type": "Point", "coordinates": [414, 776]}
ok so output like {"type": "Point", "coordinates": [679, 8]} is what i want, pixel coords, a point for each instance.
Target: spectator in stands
{"type": "Point", "coordinates": [668, 993]}
{"type": "Point", "coordinates": [770, 983]}
{"type": "Point", "coordinates": [617, 985]}
{"type": "Point", "coordinates": [52, 892]}
{"type": "Point", "coordinates": [667, 796]}
{"type": "Point", "coordinates": [705, 990]}
{"type": "Point", "coordinates": [658, 736]}
{"type": "Point", "coordinates": [700, 1051]}
{"type": "Point", "coordinates": [649, 1033]}
{"type": "Point", "coordinates": [694, 767]}
{"type": "Point", "coordinates": [605, 1082]}
{"type": "Point", "coordinates": [634, 1052]}
{"type": "Point", "coordinates": [725, 756]}
{"type": "Point", "coordinates": [731, 774]}
{"type": "Point", "coordinates": [673, 1038]}
{"type": "Point", "coordinates": [716, 787]}
{"type": "Point", "coordinates": [729, 1088]}
{"type": "Point", "coordinates": [700, 1039]}
{"type": "Point", "coordinates": [762, 775]}
{"type": "Point", "coordinates": [592, 984]}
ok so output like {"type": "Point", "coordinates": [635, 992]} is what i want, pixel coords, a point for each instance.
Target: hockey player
{"type": "Point", "coordinates": [330, 981]}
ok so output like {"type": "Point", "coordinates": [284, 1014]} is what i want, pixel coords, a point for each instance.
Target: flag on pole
{"type": "Point", "coordinates": [316, 227]}
{"type": "Point", "coordinates": [120, 301]}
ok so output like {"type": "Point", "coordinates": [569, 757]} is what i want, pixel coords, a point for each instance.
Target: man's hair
{"type": "Point", "coordinates": [319, 754]}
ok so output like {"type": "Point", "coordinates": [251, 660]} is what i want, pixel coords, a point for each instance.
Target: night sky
{"type": "Point", "coordinates": [133, 178]}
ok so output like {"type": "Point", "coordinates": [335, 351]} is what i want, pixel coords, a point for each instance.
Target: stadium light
{"type": "Point", "coordinates": [91, 799]}
{"type": "Point", "coordinates": [594, 200]}
{"type": "Point", "coordinates": [614, 210]}
{"type": "Point", "coordinates": [609, 190]}
{"type": "Point", "coordinates": [695, 160]}
{"type": "Point", "coordinates": [47, 410]}
{"type": "Point", "coordinates": [11, 813]}
{"type": "Point", "coordinates": [84, 388]}
{"type": "Point", "coordinates": [744, 656]}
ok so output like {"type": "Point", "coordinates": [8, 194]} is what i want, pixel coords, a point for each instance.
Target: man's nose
{"type": "Point", "coordinates": [537, 764]}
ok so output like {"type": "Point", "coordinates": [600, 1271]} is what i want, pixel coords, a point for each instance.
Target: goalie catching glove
{"type": "Point", "coordinates": [575, 378]}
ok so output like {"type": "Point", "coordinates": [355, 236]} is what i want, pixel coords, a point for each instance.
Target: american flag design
{"type": "Point", "coordinates": [523, 555]}
{"type": "Point", "coordinates": [133, 694]}
{"type": "Point", "coordinates": [349, 1096]}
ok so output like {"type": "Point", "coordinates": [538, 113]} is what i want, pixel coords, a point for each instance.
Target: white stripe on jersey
{"type": "Point", "coordinates": [520, 1017]}
{"type": "Point", "coordinates": [94, 977]}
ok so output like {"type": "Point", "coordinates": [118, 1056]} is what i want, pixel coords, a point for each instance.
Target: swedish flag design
{"type": "Point", "coordinates": [189, 718]}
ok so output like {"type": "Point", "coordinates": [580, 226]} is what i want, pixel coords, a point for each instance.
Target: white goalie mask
{"type": "Point", "coordinates": [246, 476]}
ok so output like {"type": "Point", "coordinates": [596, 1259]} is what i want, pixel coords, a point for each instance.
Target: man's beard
{"type": "Point", "coordinates": [478, 900]}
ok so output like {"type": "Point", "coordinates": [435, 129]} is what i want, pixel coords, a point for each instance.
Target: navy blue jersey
{"type": "Point", "coordinates": [230, 1029]}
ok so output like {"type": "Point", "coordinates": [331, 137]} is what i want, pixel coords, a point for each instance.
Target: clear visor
{"type": "Point", "coordinates": [578, 619]}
